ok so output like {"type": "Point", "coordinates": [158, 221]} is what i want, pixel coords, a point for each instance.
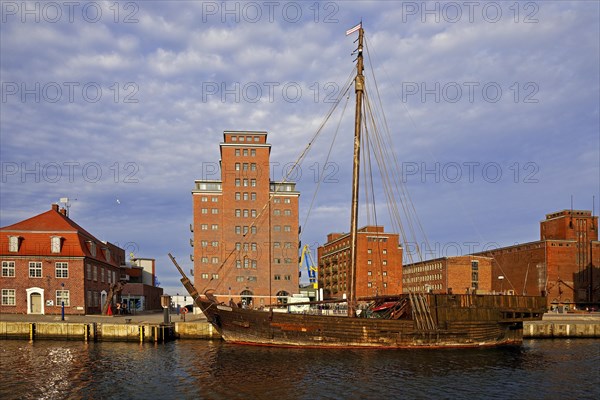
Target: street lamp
{"type": "Point", "coordinates": [501, 279]}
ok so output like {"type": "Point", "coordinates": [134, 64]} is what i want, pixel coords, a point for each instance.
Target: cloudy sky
{"type": "Point", "coordinates": [120, 106]}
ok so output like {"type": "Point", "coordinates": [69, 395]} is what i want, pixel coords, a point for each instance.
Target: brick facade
{"type": "Point", "coordinates": [460, 274]}
{"type": "Point", "coordinates": [564, 264]}
{"type": "Point", "coordinates": [245, 229]}
{"type": "Point", "coordinates": [48, 259]}
{"type": "Point", "coordinates": [379, 263]}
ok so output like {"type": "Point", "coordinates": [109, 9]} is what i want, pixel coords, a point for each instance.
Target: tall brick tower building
{"type": "Point", "coordinates": [246, 226]}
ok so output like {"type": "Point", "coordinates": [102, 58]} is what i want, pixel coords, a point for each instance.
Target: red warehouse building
{"type": "Point", "coordinates": [48, 260]}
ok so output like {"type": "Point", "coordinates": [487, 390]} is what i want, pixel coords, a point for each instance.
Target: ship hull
{"type": "Point", "coordinates": [457, 321]}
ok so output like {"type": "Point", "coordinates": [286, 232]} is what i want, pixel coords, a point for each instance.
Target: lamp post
{"type": "Point", "coordinates": [62, 313]}
{"type": "Point", "coordinates": [501, 279]}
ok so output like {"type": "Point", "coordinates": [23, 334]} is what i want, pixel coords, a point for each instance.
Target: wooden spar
{"type": "Point", "coordinates": [185, 281]}
{"type": "Point", "coordinates": [358, 88]}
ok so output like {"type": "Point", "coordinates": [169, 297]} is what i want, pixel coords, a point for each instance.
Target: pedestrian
{"type": "Point", "coordinates": [118, 308]}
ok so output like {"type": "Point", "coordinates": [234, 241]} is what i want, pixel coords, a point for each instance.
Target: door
{"type": "Point", "coordinates": [36, 303]}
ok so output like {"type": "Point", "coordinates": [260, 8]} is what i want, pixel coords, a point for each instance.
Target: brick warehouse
{"type": "Point", "coordinates": [379, 263]}
{"type": "Point", "coordinates": [245, 226]}
{"type": "Point", "coordinates": [564, 264]}
{"type": "Point", "coordinates": [49, 259]}
{"type": "Point", "coordinates": [460, 274]}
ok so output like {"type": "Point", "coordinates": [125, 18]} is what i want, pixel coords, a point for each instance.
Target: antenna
{"type": "Point", "coordinates": [66, 204]}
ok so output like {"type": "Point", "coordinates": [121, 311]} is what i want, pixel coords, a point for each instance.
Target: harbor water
{"type": "Point", "coordinates": [540, 369]}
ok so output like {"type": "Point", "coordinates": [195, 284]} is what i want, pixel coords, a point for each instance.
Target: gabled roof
{"type": "Point", "coordinates": [50, 221]}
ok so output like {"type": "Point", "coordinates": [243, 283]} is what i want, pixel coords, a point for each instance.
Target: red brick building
{"type": "Point", "coordinates": [245, 226]}
{"type": "Point", "coordinates": [460, 274]}
{"type": "Point", "coordinates": [379, 263]}
{"type": "Point", "coordinates": [49, 259]}
{"type": "Point", "coordinates": [564, 264]}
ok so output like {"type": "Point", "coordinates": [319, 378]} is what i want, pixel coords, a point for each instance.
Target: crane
{"type": "Point", "coordinates": [306, 261]}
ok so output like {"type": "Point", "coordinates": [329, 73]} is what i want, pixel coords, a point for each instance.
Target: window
{"type": "Point", "coordinates": [369, 273]}
{"type": "Point", "coordinates": [238, 213]}
{"type": "Point", "coordinates": [287, 212]}
{"type": "Point", "coordinates": [277, 228]}
{"type": "Point", "coordinates": [253, 246]}
{"type": "Point", "coordinates": [204, 211]}
{"type": "Point", "coordinates": [234, 139]}
{"type": "Point", "coordinates": [384, 262]}
{"type": "Point", "coordinates": [8, 297]}
{"type": "Point", "coordinates": [245, 230]}
{"type": "Point", "coordinates": [475, 274]}
{"type": "Point", "coordinates": [245, 213]}
{"type": "Point", "coordinates": [253, 196]}
{"type": "Point", "coordinates": [253, 166]}
{"type": "Point", "coordinates": [245, 166]}
{"type": "Point", "coordinates": [204, 227]}
{"type": "Point", "coordinates": [239, 279]}
{"type": "Point", "coordinates": [238, 246]}
{"type": "Point", "coordinates": [384, 251]}
{"type": "Point", "coordinates": [204, 259]}
{"type": "Point", "coordinates": [215, 210]}
{"type": "Point", "coordinates": [287, 228]}
{"type": "Point", "coordinates": [276, 201]}
{"type": "Point", "coordinates": [253, 182]}
{"type": "Point", "coordinates": [369, 262]}
{"type": "Point", "coordinates": [13, 244]}
{"type": "Point", "coordinates": [62, 269]}
{"type": "Point", "coordinates": [238, 230]}
{"type": "Point", "coordinates": [246, 246]}
{"type": "Point", "coordinates": [253, 152]}
{"type": "Point", "coordinates": [215, 244]}
{"type": "Point", "coordinates": [237, 166]}
{"type": "Point", "coordinates": [253, 229]}
{"type": "Point", "coordinates": [276, 212]}
{"type": "Point", "coordinates": [286, 201]}
{"type": "Point", "coordinates": [287, 277]}
{"type": "Point", "coordinates": [95, 271]}
{"type": "Point", "coordinates": [102, 274]}
{"type": "Point", "coordinates": [204, 199]}
{"type": "Point", "coordinates": [92, 247]}
{"type": "Point", "coordinates": [215, 260]}
{"type": "Point", "coordinates": [277, 277]}
{"type": "Point", "coordinates": [238, 196]}
{"type": "Point", "coordinates": [204, 243]}
{"type": "Point", "coordinates": [245, 182]}
{"type": "Point", "coordinates": [253, 213]}
{"type": "Point", "coordinates": [276, 245]}
{"type": "Point", "coordinates": [237, 152]}
{"type": "Point", "coordinates": [35, 269]}
{"type": "Point", "coordinates": [62, 296]}
{"type": "Point", "coordinates": [242, 138]}
{"type": "Point", "coordinates": [8, 269]}
{"type": "Point", "coordinates": [215, 276]}
{"type": "Point", "coordinates": [369, 251]}
{"type": "Point", "coordinates": [245, 196]}
{"type": "Point", "coordinates": [88, 272]}
{"type": "Point", "coordinates": [55, 244]}
{"type": "Point", "coordinates": [245, 152]}
{"type": "Point", "coordinates": [215, 227]}
{"type": "Point", "coordinates": [238, 264]}
{"type": "Point", "coordinates": [238, 182]}
{"type": "Point", "coordinates": [252, 279]}
{"type": "Point", "coordinates": [384, 273]}
{"type": "Point", "coordinates": [205, 276]}
{"type": "Point", "coordinates": [288, 245]}
{"type": "Point", "coordinates": [215, 199]}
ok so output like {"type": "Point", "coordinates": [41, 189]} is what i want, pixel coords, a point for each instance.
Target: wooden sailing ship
{"type": "Point", "coordinates": [411, 320]}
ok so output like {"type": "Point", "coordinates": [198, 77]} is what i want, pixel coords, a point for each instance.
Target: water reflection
{"type": "Point", "coordinates": [214, 370]}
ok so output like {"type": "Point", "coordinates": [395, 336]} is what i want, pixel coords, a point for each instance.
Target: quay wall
{"type": "Point", "coordinates": [86, 331]}
{"type": "Point", "coordinates": [203, 330]}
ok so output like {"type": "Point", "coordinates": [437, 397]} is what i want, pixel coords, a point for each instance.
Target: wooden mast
{"type": "Point", "coordinates": [358, 88]}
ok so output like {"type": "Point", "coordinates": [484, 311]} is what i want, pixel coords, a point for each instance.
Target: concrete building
{"type": "Point", "coordinates": [564, 264]}
{"type": "Point", "coordinates": [379, 263]}
{"type": "Point", "coordinates": [460, 274]}
{"type": "Point", "coordinates": [48, 260]}
{"type": "Point", "coordinates": [245, 229]}
{"type": "Point", "coordinates": [141, 293]}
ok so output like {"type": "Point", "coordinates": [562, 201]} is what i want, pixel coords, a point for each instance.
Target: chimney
{"type": "Point", "coordinates": [55, 207]}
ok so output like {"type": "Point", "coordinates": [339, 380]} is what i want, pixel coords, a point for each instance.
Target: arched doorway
{"type": "Point", "coordinates": [35, 300]}
{"type": "Point", "coordinates": [282, 296]}
{"type": "Point", "coordinates": [102, 299]}
{"type": "Point", "coordinates": [246, 298]}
